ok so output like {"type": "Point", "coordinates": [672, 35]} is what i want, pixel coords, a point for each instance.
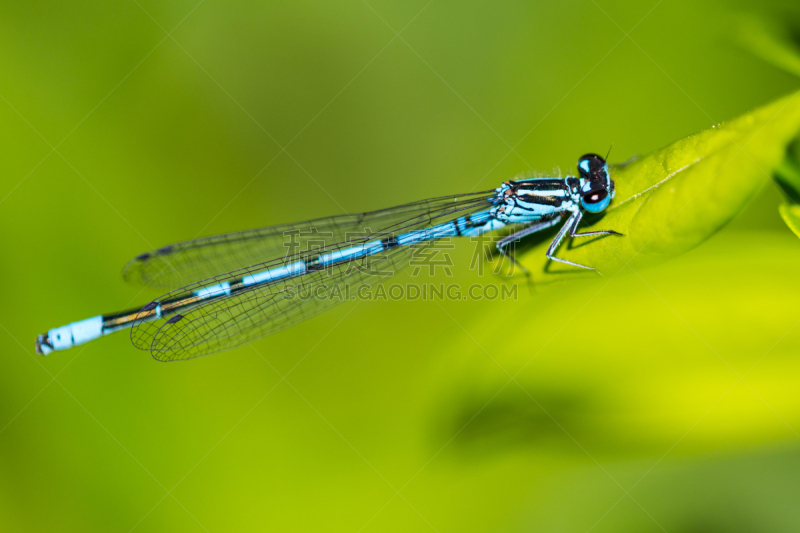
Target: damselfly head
{"type": "Point", "coordinates": [597, 188]}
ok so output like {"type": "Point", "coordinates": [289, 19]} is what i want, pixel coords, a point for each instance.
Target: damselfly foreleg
{"type": "Point", "coordinates": [590, 233]}
{"type": "Point", "coordinates": [570, 227]}
{"type": "Point", "coordinates": [566, 228]}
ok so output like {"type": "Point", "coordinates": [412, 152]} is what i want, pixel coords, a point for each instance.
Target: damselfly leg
{"type": "Point", "coordinates": [503, 243]}
{"type": "Point", "coordinates": [590, 233]}
{"type": "Point", "coordinates": [571, 226]}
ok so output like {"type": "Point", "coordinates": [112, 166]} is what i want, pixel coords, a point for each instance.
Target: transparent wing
{"type": "Point", "coordinates": [187, 262]}
{"type": "Point", "coordinates": [249, 313]}
{"type": "Point", "coordinates": [238, 319]}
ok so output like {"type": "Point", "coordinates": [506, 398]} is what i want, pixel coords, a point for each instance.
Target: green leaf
{"type": "Point", "coordinates": [791, 215]}
{"type": "Point", "coordinates": [675, 198]}
{"type": "Point", "coordinates": [787, 175]}
{"type": "Point", "coordinates": [774, 42]}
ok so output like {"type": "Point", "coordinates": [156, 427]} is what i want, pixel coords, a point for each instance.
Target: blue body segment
{"type": "Point", "coordinates": [74, 334]}
{"type": "Point", "coordinates": [275, 274]}
{"type": "Point", "coordinates": [219, 289]}
{"type": "Point", "coordinates": [229, 305]}
{"type": "Point", "coordinates": [349, 254]}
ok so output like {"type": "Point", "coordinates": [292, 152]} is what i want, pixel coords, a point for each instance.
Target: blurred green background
{"type": "Point", "coordinates": [661, 399]}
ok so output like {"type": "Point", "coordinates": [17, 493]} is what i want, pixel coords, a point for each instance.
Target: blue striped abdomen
{"type": "Point", "coordinates": [467, 226]}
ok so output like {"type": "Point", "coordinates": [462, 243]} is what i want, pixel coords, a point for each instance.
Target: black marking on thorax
{"type": "Point", "coordinates": [535, 191]}
{"type": "Point", "coordinates": [543, 184]}
{"type": "Point", "coordinates": [553, 201]}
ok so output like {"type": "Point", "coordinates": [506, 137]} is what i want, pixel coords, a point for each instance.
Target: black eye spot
{"type": "Point", "coordinates": [595, 196]}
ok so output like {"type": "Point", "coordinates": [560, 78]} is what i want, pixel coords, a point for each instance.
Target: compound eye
{"type": "Point", "coordinates": [595, 201]}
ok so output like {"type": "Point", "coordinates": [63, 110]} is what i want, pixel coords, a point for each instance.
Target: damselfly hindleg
{"type": "Point", "coordinates": [514, 237]}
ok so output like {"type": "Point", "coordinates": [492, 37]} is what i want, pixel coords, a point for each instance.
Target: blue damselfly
{"type": "Point", "coordinates": [231, 289]}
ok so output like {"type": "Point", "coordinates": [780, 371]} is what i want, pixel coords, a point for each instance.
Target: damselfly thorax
{"type": "Point", "coordinates": [525, 201]}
